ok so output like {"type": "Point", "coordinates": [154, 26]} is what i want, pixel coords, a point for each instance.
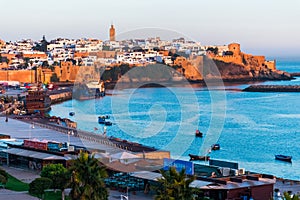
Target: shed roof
{"type": "Point", "coordinates": [35, 154]}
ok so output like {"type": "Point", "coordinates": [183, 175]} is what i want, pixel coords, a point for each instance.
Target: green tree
{"type": "Point", "coordinates": [3, 177]}
{"type": "Point", "coordinates": [287, 196]}
{"type": "Point", "coordinates": [39, 185]}
{"type": "Point", "coordinates": [87, 179]}
{"type": "Point", "coordinates": [59, 176]}
{"type": "Point", "coordinates": [174, 185]}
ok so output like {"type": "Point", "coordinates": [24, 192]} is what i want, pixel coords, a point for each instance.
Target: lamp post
{"type": "Point", "coordinates": [208, 151]}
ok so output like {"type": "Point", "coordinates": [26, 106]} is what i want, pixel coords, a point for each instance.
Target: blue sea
{"type": "Point", "coordinates": [250, 127]}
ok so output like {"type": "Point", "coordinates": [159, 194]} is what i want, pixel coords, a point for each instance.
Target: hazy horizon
{"type": "Point", "coordinates": [267, 27]}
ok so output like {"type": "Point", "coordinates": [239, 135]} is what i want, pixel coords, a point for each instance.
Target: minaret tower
{"type": "Point", "coordinates": [112, 33]}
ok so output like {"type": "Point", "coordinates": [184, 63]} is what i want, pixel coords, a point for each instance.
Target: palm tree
{"type": "Point", "coordinates": [174, 185]}
{"type": "Point", "coordinates": [87, 179]}
{"type": "Point", "coordinates": [287, 196]}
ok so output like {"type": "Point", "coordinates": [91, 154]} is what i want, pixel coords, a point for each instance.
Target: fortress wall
{"type": "Point", "coordinates": [230, 59]}
{"type": "Point", "coordinates": [23, 76]}
{"type": "Point", "coordinates": [261, 59]}
{"type": "Point", "coordinates": [66, 71]}
{"type": "Point", "coordinates": [271, 65]}
{"type": "Point", "coordinates": [235, 48]}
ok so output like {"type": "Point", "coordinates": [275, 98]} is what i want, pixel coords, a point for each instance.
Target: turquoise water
{"type": "Point", "coordinates": [250, 127]}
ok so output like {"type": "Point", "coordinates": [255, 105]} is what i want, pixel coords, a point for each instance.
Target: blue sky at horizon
{"type": "Point", "coordinates": [267, 27]}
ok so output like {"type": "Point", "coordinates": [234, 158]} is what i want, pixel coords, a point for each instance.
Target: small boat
{"type": "Point", "coordinates": [283, 158]}
{"type": "Point", "coordinates": [104, 116]}
{"type": "Point", "coordinates": [196, 157]}
{"type": "Point", "coordinates": [72, 113]}
{"type": "Point", "coordinates": [107, 123]}
{"type": "Point", "coordinates": [215, 147]}
{"type": "Point", "coordinates": [198, 133]}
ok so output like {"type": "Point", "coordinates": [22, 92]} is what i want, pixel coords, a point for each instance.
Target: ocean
{"type": "Point", "coordinates": [250, 127]}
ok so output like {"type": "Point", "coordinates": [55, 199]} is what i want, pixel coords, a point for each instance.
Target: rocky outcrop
{"type": "Point", "coordinates": [232, 71]}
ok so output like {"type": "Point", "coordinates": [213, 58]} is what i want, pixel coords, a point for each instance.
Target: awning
{"type": "Point", "coordinates": [198, 183]}
{"type": "Point", "coordinates": [152, 176]}
{"type": "Point", "coordinates": [34, 154]}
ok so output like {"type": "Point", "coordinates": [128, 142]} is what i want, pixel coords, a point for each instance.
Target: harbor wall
{"type": "Point", "coordinates": [60, 97]}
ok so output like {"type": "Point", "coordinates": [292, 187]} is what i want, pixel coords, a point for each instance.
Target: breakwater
{"type": "Point", "coordinates": [58, 96]}
{"type": "Point", "coordinates": [272, 88]}
{"type": "Point", "coordinates": [295, 74]}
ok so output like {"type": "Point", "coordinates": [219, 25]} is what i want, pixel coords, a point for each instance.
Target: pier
{"type": "Point", "coordinates": [272, 88]}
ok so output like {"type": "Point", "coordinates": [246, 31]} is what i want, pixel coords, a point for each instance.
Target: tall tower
{"type": "Point", "coordinates": [112, 33]}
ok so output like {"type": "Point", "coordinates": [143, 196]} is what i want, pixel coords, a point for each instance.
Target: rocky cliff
{"type": "Point", "coordinates": [208, 69]}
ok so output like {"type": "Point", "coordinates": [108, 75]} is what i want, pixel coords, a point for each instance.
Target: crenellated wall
{"type": "Point", "coordinates": [230, 59]}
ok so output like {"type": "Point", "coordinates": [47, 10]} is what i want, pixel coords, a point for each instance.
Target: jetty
{"type": "Point", "coordinates": [295, 74]}
{"type": "Point", "coordinates": [272, 88]}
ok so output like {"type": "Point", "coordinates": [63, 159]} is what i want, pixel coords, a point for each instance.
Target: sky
{"type": "Point", "coordinates": [262, 27]}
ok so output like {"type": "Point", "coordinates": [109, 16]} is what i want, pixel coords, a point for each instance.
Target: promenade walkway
{"type": "Point", "coordinates": [22, 130]}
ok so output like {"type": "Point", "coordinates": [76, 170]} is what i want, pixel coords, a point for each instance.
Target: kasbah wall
{"type": "Point", "coordinates": [24, 76]}
{"type": "Point", "coordinates": [249, 61]}
{"type": "Point", "coordinates": [67, 72]}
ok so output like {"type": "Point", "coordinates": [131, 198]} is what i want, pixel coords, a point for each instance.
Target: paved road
{"type": "Point", "coordinates": [12, 195]}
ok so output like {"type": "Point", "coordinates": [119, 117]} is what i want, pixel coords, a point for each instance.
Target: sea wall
{"type": "Point", "coordinates": [60, 96]}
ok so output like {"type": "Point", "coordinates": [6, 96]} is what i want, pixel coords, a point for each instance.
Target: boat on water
{"type": "Point", "coordinates": [283, 158]}
{"type": "Point", "coordinates": [215, 147]}
{"type": "Point", "coordinates": [102, 120]}
{"type": "Point", "coordinates": [198, 133]}
{"type": "Point", "coordinates": [108, 123]}
{"type": "Point", "coordinates": [71, 113]}
{"type": "Point", "coordinates": [196, 157]}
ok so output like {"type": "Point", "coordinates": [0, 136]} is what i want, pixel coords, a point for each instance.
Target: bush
{"type": "Point", "coordinates": [39, 185]}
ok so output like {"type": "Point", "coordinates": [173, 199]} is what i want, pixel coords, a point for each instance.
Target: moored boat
{"type": "Point", "coordinates": [283, 158]}
{"type": "Point", "coordinates": [215, 147]}
{"type": "Point", "coordinates": [198, 133]}
{"type": "Point", "coordinates": [196, 157]}
{"type": "Point", "coordinates": [108, 123]}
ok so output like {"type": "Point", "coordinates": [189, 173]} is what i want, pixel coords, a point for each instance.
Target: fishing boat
{"type": "Point", "coordinates": [196, 157]}
{"type": "Point", "coordinates": [283, 158]}
{"type": "Point", "coordinates": [198, 133]}
{"type": "Point", "coordinates": [108, 123]}
{"type": "Point", "coordinates": [215, 147]}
